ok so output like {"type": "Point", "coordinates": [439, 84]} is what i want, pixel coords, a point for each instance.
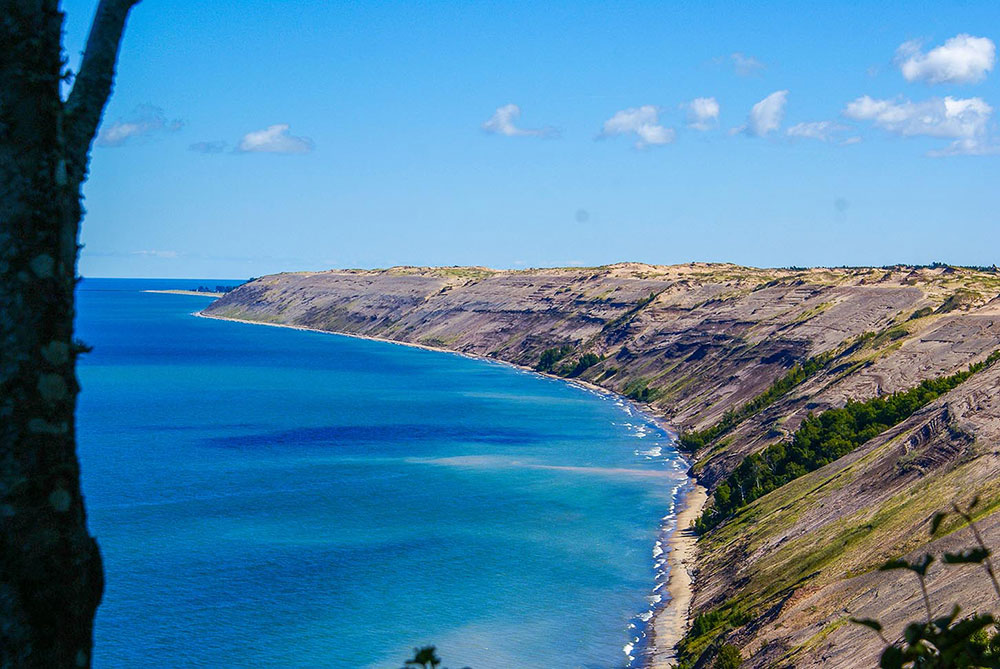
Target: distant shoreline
{"type": "Point", "coordinates": [670, 621]}
{"type": "Point", "coordinates": [178, 291]}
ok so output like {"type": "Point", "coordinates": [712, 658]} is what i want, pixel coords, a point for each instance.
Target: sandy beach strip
{"type": "Point", "coordinates": [671, 622]}
{"type": "Point", "coordinates": [178, 291]}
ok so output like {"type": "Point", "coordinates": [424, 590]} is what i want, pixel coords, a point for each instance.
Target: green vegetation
{"type": "Point", "coordinates": [551, 356]}
{"type": "Point", "coordinates": [639, 390]}
{"type": "Point", "coordinates": [692, 441]}
{"type": "Point", "coordinates": [611, 325]}
{"type": "Point", "coordinates": [703, 639]}
{"type": "Point", "coordinates": [425, 657]}
{"type": "Point", "coordinates": [947, 641]}
{"type": "Point", "coordinates": [888, 336]}
{"type": "Point", "coordinates": [822, 439]}
{"type": "Point", "coordinates": [586, 361]}
{"type": "Point", "coordinates": [850, 545]}
{"type": "Point", "coordinates": [960, 298]}
{"type": "Point", "coordinates": [920, 313]}
{"type": "Point", "coordinates": [728, 658]}
{"type": "Point", "coordinates": [467, 272]}
{"type": "Point", "coordinates": [607, 373]}
{"type": "Point", "coordinates": [799, 373]}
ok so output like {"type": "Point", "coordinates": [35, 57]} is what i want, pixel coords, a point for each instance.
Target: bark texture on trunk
{"type": "Point", "coordinates": [51, 579]}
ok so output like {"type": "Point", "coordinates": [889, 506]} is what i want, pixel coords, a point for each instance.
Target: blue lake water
{"type": "Point", "coordinates": [273, 498]}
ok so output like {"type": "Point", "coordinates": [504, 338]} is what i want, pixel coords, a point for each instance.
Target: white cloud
{"type": "Point", "coordinates": [824, 131]}
{"type": "Point", "coordinates": [145, 120]}
{"type": "Point", "coordinates": [644, 122]}
{"type": "Point", "coordinates": [504, 122]}
{"type": "Point", "coordinates": [963, 59]}
{"type": "Point", "coordinates": [119, 132]}
{"type": "Point", "coordinates": [703, 113]}
{"type": "Point", "coordinates": [934, 117]}
{"type": "Point", "coordinates": [964, 120]}
{"type": "Point", "coordinates": [274, 139]}
{"type": "Point", "coordinates": [765, 116]}
{"type": "Point", "coordinates": [744, 65]}
{"type": "Point", "coordinates": [967, 147]}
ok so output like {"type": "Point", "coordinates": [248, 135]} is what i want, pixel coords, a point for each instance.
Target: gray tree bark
{"type": "Point", "coordinates": [51, 578]}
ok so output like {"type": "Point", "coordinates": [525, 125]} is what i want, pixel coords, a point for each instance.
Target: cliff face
{"type": "Point", "coordinates": [697, 341]}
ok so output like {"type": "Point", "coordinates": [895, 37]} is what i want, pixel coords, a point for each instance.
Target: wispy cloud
{"type": "Point", "coordinates": [274, 139]}
{"type": "Point", "coordinates": [145, 121]}
{"type": "Point", "coordinates": [765, 116]}
{"type": "Point", "coordinates": [824, 131]}
{"type": "Point", "coordinates": [702, 113]}
{"type": "Point", "coordinates": [963, 59]}
{"type": "Point", "coordinates": [964, 120]}
{"type": "Point", "coordinates": [504, 122]}
{"type": "Point", "coordinates": [643, 122]}
{"type": "Point", "coordinates": [156, 254]}
{"type": "Point", "coordinates": [967, 147]}
{"type": "Point", "coordinates": [745, 65]}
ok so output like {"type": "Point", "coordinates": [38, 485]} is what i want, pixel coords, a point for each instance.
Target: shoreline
{"type": "Point", "coordinates": [669, 622]}
{"type": "Point", "coordinates": [425, 347]}
{"type": "Point", "coordinates": [181, 291]}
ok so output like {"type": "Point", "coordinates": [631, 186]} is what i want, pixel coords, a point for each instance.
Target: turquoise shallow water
{"type": "Point", "coordinates": [274, 498]}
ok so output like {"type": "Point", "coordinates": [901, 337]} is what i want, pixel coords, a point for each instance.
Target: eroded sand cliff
{"type": "Point", "coordinates": [697, 340]}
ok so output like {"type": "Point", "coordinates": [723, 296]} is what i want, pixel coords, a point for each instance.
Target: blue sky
{"type": "Point", "coordinates": [258, 136]}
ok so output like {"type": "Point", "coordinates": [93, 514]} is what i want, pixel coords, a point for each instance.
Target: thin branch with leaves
{"type": "Point", "coordinates": [947, 641]}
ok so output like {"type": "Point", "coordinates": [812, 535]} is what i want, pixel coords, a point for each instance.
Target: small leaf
{"type": "Point", "coordinates": [868, 622]}
{"type": "Point", "coordinates": [963, 630]}
{"type": "Point", "coordinates": [936, 521]}
{"type": "Point", "coordinates": [892, 658]}
{"type": "Point", "coordinates": [916, 567]}
{"type": "Point", "coordinates": [944, 622]}
{"type": "Point", "coordinates": [972, 555]}
{"type": "Point", "coordinates": [913, 633]}
{"type": "Point", "coordinates": [424, 656]}
{"type": "Point", "coordinates": [921, 567]}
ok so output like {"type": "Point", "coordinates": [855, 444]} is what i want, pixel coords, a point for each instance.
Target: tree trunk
{"type": "Point", "coordinates": [51, 579]}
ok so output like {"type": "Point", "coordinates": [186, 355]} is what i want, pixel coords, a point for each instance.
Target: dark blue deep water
{"type": "Point", "coordinates": [273, 498]}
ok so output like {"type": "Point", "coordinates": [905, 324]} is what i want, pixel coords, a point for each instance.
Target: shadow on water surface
{"type": "Point", "coordinates": [377, 434]}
